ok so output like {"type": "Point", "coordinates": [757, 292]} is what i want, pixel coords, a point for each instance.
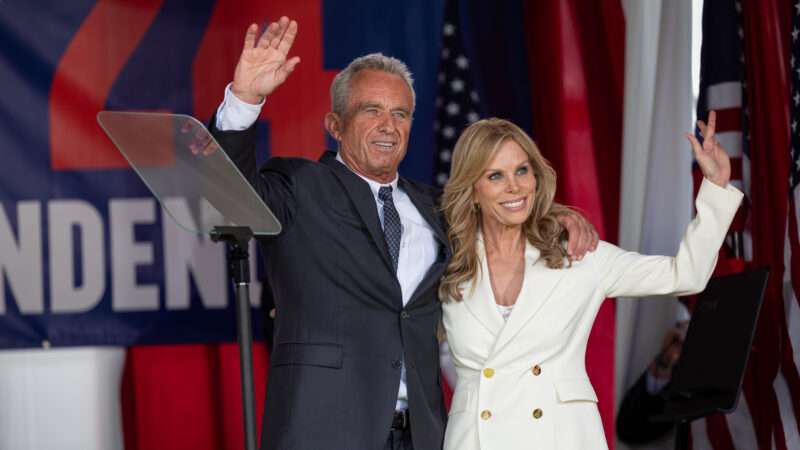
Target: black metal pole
{"type": "Point", "coordinates": [239, 268]}
{"type": "Point", "coordinates": [682, 435]}
{"type": "Point", "coordinates": [246, 360]}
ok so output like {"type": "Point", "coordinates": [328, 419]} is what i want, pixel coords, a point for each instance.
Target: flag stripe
{"type": "Point", "coordinates": [700, 439]}
{"type": "Point", "coordinates": [725, 95]}
{"type": "Point", "coordinates": [789, 393]}
{"type": "Point", "coordinates": [718, 432]}
{"type": "Point", "coordinates": [741, 428]}
{"type": "Point", "coordinates": [729, 119]}
{"type": "Point", "coordinates": [732, 142]}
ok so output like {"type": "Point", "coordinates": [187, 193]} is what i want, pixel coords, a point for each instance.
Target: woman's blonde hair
{"type": "Point", "coordinates": [475, 148]}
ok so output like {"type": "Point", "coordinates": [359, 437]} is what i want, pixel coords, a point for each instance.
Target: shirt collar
{"type": "Point", "coordinates": [374, 186]}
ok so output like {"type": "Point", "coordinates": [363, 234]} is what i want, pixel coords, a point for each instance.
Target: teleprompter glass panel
{"type": "Point", "coordinates": [187, 170]}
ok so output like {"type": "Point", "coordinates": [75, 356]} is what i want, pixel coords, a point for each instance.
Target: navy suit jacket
{"type": "Point", "coordinates": [341, 330]}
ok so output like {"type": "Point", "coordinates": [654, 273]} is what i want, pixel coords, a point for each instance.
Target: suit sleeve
{"type": "Point", "coordinates": [274, 181]}
{"type": "Point", "coordinates": [632, 274]}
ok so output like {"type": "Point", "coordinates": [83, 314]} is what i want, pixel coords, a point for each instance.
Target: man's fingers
{"type": "Point", "coordinates": [288, 38]}
{"type": "Point", "coordinates": [289, 66]}
{"type": "Point", "coordinates": [283, 25]}
{"type": "Point", "coordinates": [250, 36]}
{"type": "Point", "coordinates": [586, 241]}
{"type": "Point", "coordinates": [577, 250]}
{"type": "Point", "coordinates": [569, 224]}
{"type": "Point", "coordinates": [269, 35]}
{"type": "Point", "coordinates": [586, 238]}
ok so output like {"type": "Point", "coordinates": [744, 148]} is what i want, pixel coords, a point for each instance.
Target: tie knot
{"type": "Point", "coordinates": [385, 193]}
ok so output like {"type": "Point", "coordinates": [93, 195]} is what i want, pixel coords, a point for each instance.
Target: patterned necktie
{"type": "Point", "coordinates": [392, 229]}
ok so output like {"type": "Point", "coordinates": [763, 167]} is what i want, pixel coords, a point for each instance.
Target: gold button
{"type": "Point", "coordinates": [486, 414]}
{"type": "Point", "coordinates": [536, 370]}
{"type": "Point", "coordinates": [488, 372]}
{"type": "Point", "coordinates": [537, 413]}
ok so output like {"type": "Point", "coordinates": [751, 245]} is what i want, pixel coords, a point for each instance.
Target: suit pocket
{"type": "Point", "coordinates": [575, 389]}
{"type": "Point", "coordinates": [306, 354]}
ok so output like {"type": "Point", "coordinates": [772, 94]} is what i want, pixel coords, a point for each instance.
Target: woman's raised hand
{"type": "Point", "coordinates": [711, 157]}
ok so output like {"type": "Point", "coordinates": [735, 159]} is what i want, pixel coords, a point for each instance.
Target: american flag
{"type": "Point", "coordinates": [787, 383]}
{"type": "Point", "coordinates": [723, 88]}
{"type": "Point", "coordinates": [457, 101]}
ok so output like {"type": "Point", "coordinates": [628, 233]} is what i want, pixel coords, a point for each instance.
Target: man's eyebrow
{"type": "Point", "coordinates": [363, 105]}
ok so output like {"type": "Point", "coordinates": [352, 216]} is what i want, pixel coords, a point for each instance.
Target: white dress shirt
{"type": "Point", "coordinates": [418, 246]}
{"type": "Point", "coordinates": [236, 115]}
{"type": "Point", "coordinates": [418, 249]}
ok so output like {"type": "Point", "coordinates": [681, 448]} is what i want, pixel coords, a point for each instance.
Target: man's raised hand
{"type": "Point", "coordinates": [265, 65]}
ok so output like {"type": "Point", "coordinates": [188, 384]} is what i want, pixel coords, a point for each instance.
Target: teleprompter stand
{"type": "Point", "coordinates": [708, 376]}
{"type": "Point", "coordinates": [203, 192]}
{"type": "Point", "coordinates": [238, 239]}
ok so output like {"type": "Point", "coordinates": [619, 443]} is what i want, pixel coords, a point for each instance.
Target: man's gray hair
{"type": "Point", "coordinates": [340, 88]}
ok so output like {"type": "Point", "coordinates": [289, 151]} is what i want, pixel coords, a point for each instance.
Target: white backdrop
{"type": "Point", "coordinates": [656, 191]}
{"type": "Point", "coordinates": [66, 399]}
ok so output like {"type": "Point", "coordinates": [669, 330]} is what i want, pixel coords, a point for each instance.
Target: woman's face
{"type": "Point", "coordinates": [506, 188]}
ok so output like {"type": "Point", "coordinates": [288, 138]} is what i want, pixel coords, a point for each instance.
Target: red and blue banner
{"type": "Point", "coordinates": [87, 257]}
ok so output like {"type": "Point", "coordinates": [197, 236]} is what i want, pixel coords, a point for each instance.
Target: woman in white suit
{"type": "Point", "coordinates": [517, 311]}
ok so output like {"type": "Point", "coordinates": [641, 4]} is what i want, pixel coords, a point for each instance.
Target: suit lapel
{"type": "Point", "coordinates": [361, 196]}
{"type": "Point", "coordinates": [537, 288]}
{"type": "Point", "coordinates": [426, 207]}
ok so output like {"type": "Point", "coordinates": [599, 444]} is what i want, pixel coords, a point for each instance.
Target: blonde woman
{"type": "Point", "coordinates": [517, 312]}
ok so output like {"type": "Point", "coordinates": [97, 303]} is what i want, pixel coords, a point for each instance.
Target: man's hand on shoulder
{"type": "Point", "coordinates": [265, 65]}
{"type": "Point", "coordinates": [583, 237]}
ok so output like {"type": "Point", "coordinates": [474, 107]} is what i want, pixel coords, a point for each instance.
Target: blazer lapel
{"type": "Point", "coordinates": [537, 288]}
{"type": "Point", "coordinates": [479, 298]}
{"type": "Point", "coordinates": [361, 196]}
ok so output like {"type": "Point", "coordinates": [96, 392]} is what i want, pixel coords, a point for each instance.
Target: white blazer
{"type": "Point", "coordinates": [523, 383]}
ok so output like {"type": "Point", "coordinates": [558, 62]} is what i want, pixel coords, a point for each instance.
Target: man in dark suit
{"type": "Point", "coordinates": [355, 271]}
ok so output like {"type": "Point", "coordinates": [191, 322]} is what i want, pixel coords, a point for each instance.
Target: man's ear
{"type": "Point", "coordinates": [333, 124]}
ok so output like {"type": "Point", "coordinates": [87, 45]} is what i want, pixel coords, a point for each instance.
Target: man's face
{"type": "Point", "coordinates": [373, 134]}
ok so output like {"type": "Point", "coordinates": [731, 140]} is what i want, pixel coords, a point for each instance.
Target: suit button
{"type": "Point", "coordinates": [396, 364]}
{"type": "Point", "coordinates": [488, 372]}
{"type": "Point", "coordinates": [404, 314]}
{"type": "Point", "coordinates": [537, 413]}
{"type": "Point", "coordinates": [536, 370]}
{"type": "Point", "coordinates": [486, 414]}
